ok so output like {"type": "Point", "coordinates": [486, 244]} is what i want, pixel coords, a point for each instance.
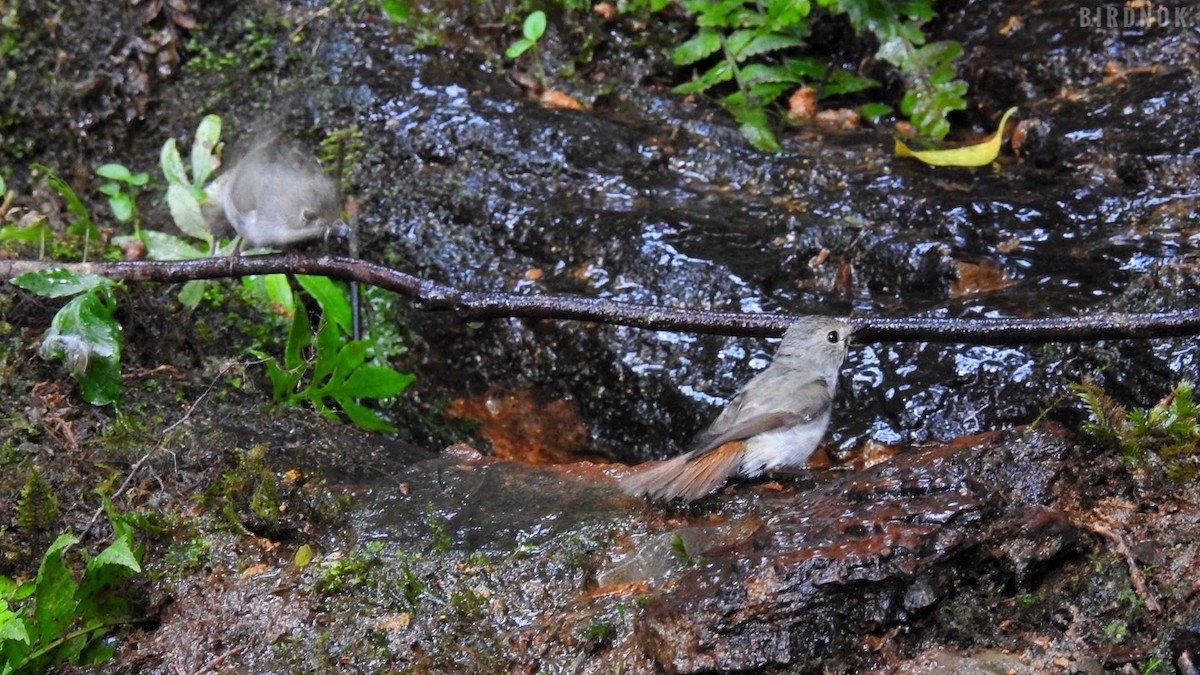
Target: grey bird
{"type": "Point", "coordinates": [777, 420]}
{"type": "Point", "coordinates": [277, 196]}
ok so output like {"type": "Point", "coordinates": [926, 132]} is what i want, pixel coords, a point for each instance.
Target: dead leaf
{"type": "Point", "coordinates": [974, 279]}
{"type": "Point", "coordinates": [802, 104]}
{"type": "Point", "coordinates": [557, 100]}
{"type": "Point", "coordinates": [979, 154]}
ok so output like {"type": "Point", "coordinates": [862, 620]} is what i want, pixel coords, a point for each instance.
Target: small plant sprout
{"type": "Point", "coordinates": [532, 31]}
{"type": "Point", "coordinates": [184, 194]}
{"type": "Point", "coordinates": [82, 225]}
{"type": "Point", "coordinates": [120, 188]}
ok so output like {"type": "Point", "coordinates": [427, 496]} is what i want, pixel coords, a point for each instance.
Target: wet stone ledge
{"type": "Point", "coordinates": [866, 553]}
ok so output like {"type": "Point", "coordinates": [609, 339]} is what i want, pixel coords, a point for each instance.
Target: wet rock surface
{"type": "Point", "coordinates": [865, 553]}
{"type": "Point", "coordinates": [979, 553]}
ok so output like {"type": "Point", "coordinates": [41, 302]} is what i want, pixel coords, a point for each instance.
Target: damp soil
{"type": "Point", "coordinates": [957, 519]}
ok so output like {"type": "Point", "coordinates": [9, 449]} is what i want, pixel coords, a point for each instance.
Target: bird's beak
{"type": "Point", "coordinates": [340, 230]}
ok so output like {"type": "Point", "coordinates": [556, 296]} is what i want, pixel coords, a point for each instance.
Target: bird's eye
{"type": "Point", "coordinates": [833, 337]}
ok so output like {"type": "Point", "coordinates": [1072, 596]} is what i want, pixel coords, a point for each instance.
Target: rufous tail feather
{"type": "Point", "coordinates": [687, 477]}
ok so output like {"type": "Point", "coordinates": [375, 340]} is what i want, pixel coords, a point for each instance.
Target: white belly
{"type": "Point", "coordinates": [784, 447]}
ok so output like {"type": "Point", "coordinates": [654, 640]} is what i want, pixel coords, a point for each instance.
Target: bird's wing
{"type": "Point", "coordinates": [748, 416]}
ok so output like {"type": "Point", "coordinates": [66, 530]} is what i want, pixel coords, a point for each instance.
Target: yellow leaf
{"type": "Point", "coordinates": [980, 154]}
{"type": "Point", "coordinates": [304, 555]}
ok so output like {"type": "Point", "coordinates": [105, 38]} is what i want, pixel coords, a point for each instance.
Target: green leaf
{"type": "Point", "coordinates": [163, 246]}
{"type": "Point", "coordinates": [737, 41]}
{"type": "Point", "coordinates": [193, 292]}
{"type": "Point", "coordinates": [34, 232]}
{"type": "Point", "coordinates": [721, 72]}
{"type": "Point", "coordinates": [786, 13]}
{"type": "Point", "coordinates": [723, 14]}
{"type": "Point", "coordinates": [332, 356]}
{"type": "Point", "coordinates": [377, 382]}
{"type": "Point", "coordinates": [279, 293]}
{"type": "Point", "coordinates": [362, 416]}
{"type": "Point", "coordinates": [283, 382]}
{"type": "Point", "coordinates": [139, 179]}
{"type": "Point", "coordinates": [172, 165]}
{"type": "Point", "coordinates": [397, 11]}
{"type": "Point", "coordinates": [844, 82]}
{"type": "Point", "coordinates": [60, 283]}
{"type": "Point", "coordinates": [115, 172]}
{"type": "Point", "coordinates": [769, 42]}
{"type": "Point", "coordinates": [54, 597]}
{"type": "Point", "coordinates": [94, 652]}
{"type": "Point", "coordinates": [118, 553]}
{"type": "Point", "coordinates": [875, 111]}
{"type": "Point", "coordinates": [304, 555]}
{"type": "Point", "coordinates": [757, 72]}
{"type": "Point", "coordinates": [186, 213]}
{"type": "Point", "coordinates": [25, 590]}
{"type": "Point", "coordinates": [204, 150]}
{"type": "Point", "coordinates": [12, 628]}
{"type": "Point", "coordinates": [766, 92]}
{"type": "Point", "coordinates": [754, 125]}
{"type": "Point", "coordinates": [333, 299]}
{"type": "Point", "coordinates": [704, 44]}
{"type": "Point", "coordinates": [534, 26]}
{"type": "Point", "coordinates": [122, 207]}
{"type": "Point", "coordinates": [74, 204]}
{"type": "Point", "coordinates": [299, 337]}
{"type": "Point", "coordinates": [87, 337]}
{"type": "Point", "coordinates": [518, 48]}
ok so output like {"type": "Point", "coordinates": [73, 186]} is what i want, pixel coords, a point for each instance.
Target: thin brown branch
{"type": "Point", "coordinates": [432, 296]}
{"type": "Point", "coordinates": [1122, 549]}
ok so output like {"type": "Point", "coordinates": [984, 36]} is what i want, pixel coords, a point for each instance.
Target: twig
{"type": "Point", "coordinates": [161, 444]}
{"type": "Point", "coordinates": [1135, 574]}
{"type": "Point", "coordinates": [432, 296]}
{"type": "Point", "coordinates": [218, 660]}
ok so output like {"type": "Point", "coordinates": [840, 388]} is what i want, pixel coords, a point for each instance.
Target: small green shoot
{"type": "Point", "coordinates": [679, 548]}
{"type": "Point", "coordinates": [37, 506]}
{"type": "Point", "coordinates": [1170, 428]}
{"type": "Point", "coordinates": [82, 225]}
{"type": "Point", "coordinates": [84, 333]}
{"type": "Point", "coordinates": [1152, 665]}
{"type": "Point", "coordinates": [411, 587]}
{"type": "Point", "coordinates": [1116, 632]}
{"type": "Point", "coordinates": [55, 619]}
{"type": "Point", "coordinates": [25, 231]}
{"type": "Point", "coordinates": [441, 537]}
{"type": "Point", "coordinates": [531, 30]}
{"type": "Point", "coordinates": [120, 190]}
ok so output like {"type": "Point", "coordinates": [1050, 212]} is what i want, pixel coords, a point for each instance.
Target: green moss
{"type": "Point", "coordinates": [1167, 433]}
{"type": "Point", "coordinates": [37, 507]}
{"type": "Point", "coordinates": [252, 51]}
